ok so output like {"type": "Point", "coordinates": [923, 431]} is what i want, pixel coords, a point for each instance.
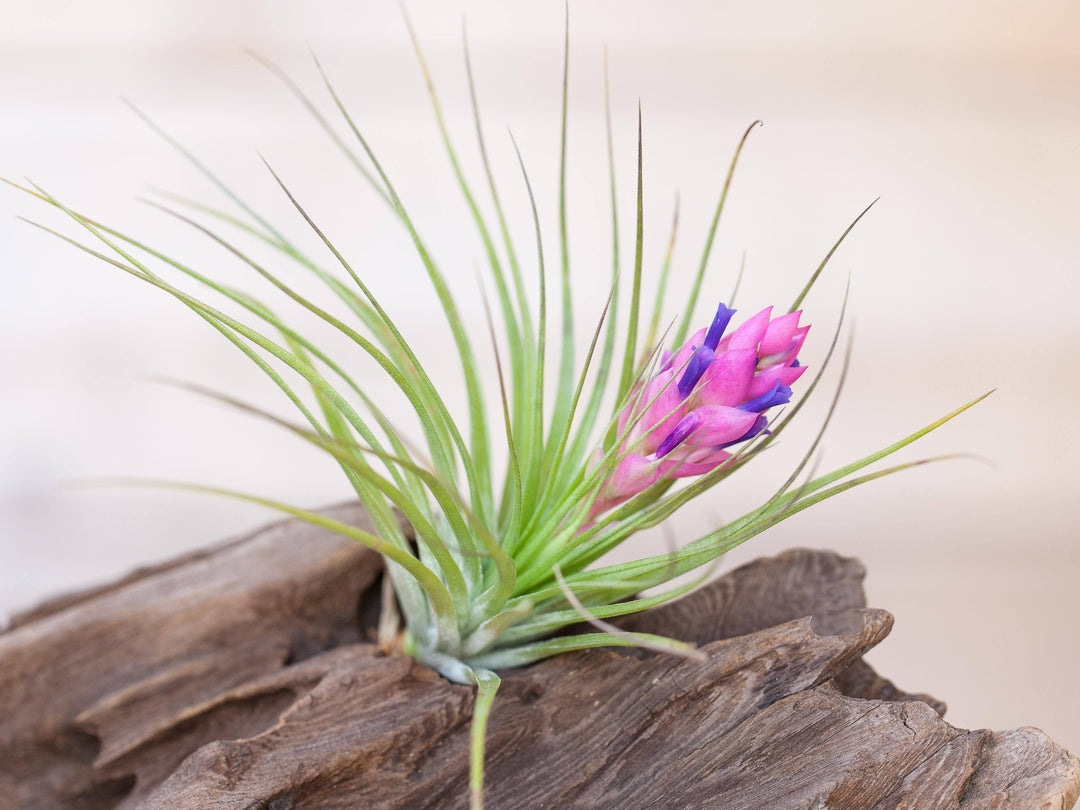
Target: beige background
{"type": "Point", "coordinates": [964, 118]}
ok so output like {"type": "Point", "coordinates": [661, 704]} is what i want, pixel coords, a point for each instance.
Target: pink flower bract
{"type": "Point", "coordinates": [710, 394]}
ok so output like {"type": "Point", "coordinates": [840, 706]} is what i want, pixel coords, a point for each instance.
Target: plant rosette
{"type": "Point", "coordinates": [505, 561]}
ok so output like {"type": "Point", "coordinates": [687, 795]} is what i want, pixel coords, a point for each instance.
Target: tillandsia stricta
{"type": "Point", "coordinates": [495, 566]}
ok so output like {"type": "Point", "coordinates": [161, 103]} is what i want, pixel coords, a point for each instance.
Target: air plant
{"type": "Point", "coordinates": [497, 566]}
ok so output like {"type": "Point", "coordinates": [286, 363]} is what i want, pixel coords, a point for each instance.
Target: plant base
{"type": "Point", "coordinates": [247, 676]}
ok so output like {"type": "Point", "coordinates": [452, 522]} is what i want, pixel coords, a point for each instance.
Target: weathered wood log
{"type": "Point", "coordinates": [245, 677]}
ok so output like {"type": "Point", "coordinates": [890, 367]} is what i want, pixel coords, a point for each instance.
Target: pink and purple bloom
{"type": "Point", "coordinates": [708, 396]}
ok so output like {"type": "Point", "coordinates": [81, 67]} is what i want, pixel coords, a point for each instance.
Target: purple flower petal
{"type": "Point", "coordinates": [719, 324]}
{"type": "Point", "coordinates": [686, 351]}
{"type": "Point", "coordinates": [694, 369]}
{"type": "Point", "coordinates": [779, 394]}
{"type": "Point", "coordinates": [687, 425]}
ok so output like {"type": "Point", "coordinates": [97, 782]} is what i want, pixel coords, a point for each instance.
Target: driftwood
{"type": "Point", "coordinates": [244, 677]}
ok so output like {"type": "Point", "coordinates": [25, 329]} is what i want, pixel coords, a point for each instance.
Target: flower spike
{"type": "Point", "coordinates": [710, 394]}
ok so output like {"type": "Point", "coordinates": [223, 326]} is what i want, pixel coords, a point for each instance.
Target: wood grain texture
{"type": "Point", "coordinates": [242, 677]}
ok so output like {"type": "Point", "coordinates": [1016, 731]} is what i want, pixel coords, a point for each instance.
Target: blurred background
{"type": "Point", "coordinates": [963, 117]}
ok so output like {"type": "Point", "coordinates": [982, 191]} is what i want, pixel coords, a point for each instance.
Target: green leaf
{"type": "Point", "coordinates": [564, 386]}
{"type": "Point", "coordinates": [688, 312]}
{"type": "Point", "coordinates": [479, 448]}
{"type": "Point", "coordinates": [829, 255]}
{"type": "Point", "coordinates": [583, 436]}
{"type": "Point", "coordinates": [661, 285]}
{"type": "Point", "coordinates": [630, 352]}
